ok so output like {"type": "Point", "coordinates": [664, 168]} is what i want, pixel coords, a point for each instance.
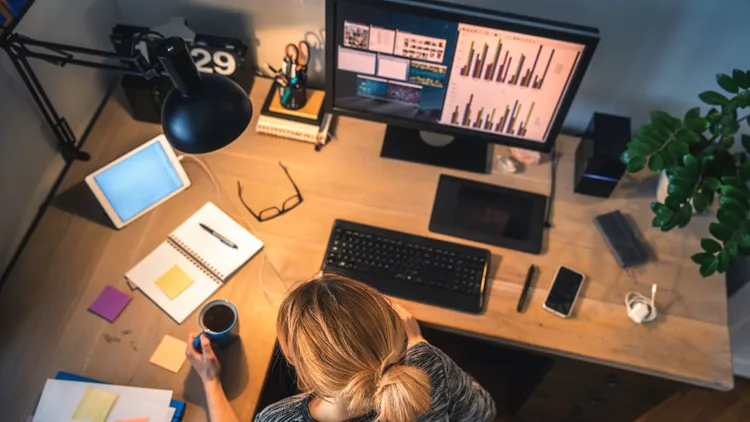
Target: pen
{"type": "Point", "coordinates": [216, 234]}
{"type": "Point", "coordinates": [525, 290]}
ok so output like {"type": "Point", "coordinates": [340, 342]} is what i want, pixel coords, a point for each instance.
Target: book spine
{"type": "Point", "coordinates": [196, 259]}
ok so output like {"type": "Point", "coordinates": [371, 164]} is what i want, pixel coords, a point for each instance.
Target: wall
{"type": "Point", "coordinates": [29, 162]}
{"type": "Point", "coordinates": [653, 53]}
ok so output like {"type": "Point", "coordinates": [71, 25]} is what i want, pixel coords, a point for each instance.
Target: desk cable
{"type": "Point", "coordinates": [245, 223]}
{"type": "Point", "coordinates": [641, 309]}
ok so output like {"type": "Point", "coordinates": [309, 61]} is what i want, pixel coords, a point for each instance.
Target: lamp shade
{"type": "Point", "coordinates": [204, 112]}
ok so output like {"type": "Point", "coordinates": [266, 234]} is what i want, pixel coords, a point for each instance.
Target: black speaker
{"type": "Point", "coordinates": [598, 168]}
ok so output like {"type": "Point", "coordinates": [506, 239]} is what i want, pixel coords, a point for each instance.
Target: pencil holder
{"type": "Point", "coordinates": [293, 97]}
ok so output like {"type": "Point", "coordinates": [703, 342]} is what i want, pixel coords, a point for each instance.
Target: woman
{"type": "Point", "coordinates": [358, 359]}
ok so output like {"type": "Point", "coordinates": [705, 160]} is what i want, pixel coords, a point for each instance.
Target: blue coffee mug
{"type": "Point", "coordinates": [224, 334]}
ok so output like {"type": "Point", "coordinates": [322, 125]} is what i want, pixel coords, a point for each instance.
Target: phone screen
{"type": "Point", "coordinates": [563, 291]}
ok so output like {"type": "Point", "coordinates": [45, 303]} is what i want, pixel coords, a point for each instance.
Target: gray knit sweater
{"type": "Point", "coordinates": [456, 397]}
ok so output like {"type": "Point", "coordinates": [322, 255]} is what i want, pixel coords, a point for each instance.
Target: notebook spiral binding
{"type": "Point", "coordinates": [199, 262]}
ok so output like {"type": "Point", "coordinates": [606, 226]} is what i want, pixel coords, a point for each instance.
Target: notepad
{"type": "Point", "coordinates": [169, 354]}
{"type": "Point", "coordinates": [94, 406]}
{"type": "Point", "coordinates": [200, 256]}
{"type": "Point", "coordinates": [110, 303]}
{"type": "Point", "coordinates": [173, 282]}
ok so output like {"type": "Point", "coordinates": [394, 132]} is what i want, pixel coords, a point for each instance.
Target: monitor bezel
{"type": "Point", "coordinates": [587, 36]}
{"type": "Point", "coordinates": [7, 31]}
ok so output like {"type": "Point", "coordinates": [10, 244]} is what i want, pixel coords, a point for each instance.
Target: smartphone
{"type": "Point", "coordinates": [564, 291]}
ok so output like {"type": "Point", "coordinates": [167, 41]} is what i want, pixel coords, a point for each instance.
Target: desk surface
{"type": "Point", "coordinates": [72, 256]}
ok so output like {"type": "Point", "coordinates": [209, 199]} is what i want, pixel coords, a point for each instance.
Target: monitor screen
{"type": "Point", "coordinates": [411, 64]}
{"type": "Point", "coordinates": [139, 181]}
{"type": "Point", "coordinates": [11, 12]}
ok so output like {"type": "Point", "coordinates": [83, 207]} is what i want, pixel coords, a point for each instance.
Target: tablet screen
{"type": "Point", "coordinates": [139, 181]}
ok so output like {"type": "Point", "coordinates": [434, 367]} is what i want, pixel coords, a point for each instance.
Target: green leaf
{"type": "Point", "coordinates": [670, 158]}
{"type": "Point", "coordinates": [702, 257]}
{"type": "Point", "coordinates": [727, 83]}
{"type": "Point", "coordinates": [712, 183]}
{"type": "Point", "coordinates": [636, 164]}
{"type": "Point", "coordinates": [692, 165]}
{"type": "Point", "coordinates": [708, 268]}
{"type": "Point", "coordinates": [720, 231]}
{"type": "Point", "coordinates": [660, 118]}
{"type": "Point", "coordinates": [656, 163]}
{"type": "Point", "coordinates": [684, 215]}
{"type": "Point", "coordinates": [727, 142]}
{"type": "Point", "coordinates": [723, 259]}
{"type": "Point", "coordinates": [638, 146]}
{"type": "Point", "coordinates": [742, 79]}
{"type": "Point", "coordinates": [732, 204]}
{"type": "Point", "coordinates": [700, 201]}
{"type": "Point", "coordinates": [744, 240]}
{"type": "Point", "coordinates": [679, 149]}
{"type": "Point", "coordinates": [659, 208]}
{"type": "Point", "coordinates": [679, 192]}
{"type": "Point", "coordinates": [713, 98]}
{"type": "Point", "coordinates": [732, 251]}
{"type": "Point", "coordinates": [710, 245]}
{"type": "Point", "coordinates": [728, 218]}
{"type": "Point", "coordinates": [692, 113]}
{"type": "Point", "coordinates": [734, 193]}
{"type": "Point", "coordinates": [696, 124]}
{"type": "Point", "coordinates": [671, 223]}
{"type": "Point", "coordinates": [745, 171]}
{"type": "Point", "coordinates": [736, 182]}
{"type": "Point", "coordinates": [650, 132]}
{"type": "Point", "coordinates": [687, 136]}
{"type": "Point", "coordinates": [660, 219]}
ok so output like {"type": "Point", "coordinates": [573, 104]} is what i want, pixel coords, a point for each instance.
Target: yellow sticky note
{"type": "Point", "coordinates": [135, 420]}
{"type": "Point", "coordinates": [173, 282]}
{"type": "Point", "coordinates": [170, 354]}
{"type": "Point", "coordinates": [94, 406]}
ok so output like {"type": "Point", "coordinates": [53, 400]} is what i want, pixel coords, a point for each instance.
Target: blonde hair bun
{"type": "Point", "coordinates": [402, 394]}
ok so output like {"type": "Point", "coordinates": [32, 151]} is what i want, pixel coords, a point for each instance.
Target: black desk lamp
{"type": "Point", "coordinates": [204, 113]}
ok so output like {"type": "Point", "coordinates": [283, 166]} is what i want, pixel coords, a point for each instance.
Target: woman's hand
{"type": "Point", "coordinates": [205, 364]}
{"type": "Point", "coordinates": [413, 333]}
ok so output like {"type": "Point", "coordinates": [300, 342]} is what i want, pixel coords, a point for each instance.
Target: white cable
{"type": "Point", "coordinates": [244, 222]}
{"type": "Point", "coordinates": [641, 309]}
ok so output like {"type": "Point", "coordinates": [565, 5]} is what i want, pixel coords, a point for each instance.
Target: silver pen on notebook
{"type": "Point", "coordinates": [218, 235]}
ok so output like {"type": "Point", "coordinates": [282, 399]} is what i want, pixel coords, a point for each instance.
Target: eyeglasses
{"type": "Point", "coordinates": [273, 212]}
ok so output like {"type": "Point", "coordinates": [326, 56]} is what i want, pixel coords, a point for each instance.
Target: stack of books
{"type": "Point", "coordinates": [310, 123]}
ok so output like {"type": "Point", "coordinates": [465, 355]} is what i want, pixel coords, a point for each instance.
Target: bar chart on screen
{"type": "Point", "coordinates": [507, 83]}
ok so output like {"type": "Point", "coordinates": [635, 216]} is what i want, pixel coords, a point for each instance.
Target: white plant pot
{"type": "Point", "coordinates": [661, 187]}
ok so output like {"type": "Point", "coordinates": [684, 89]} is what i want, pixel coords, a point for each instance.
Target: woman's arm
{"type": "Point", "coordinates": [208, 368]}
{"type": "Point", "coordinates": [469, 402]}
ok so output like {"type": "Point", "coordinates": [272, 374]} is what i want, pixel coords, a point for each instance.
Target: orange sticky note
{"type": "Point", "coordinates": [173, 282]}
{"type": "Point", "coordinates": [94, 406]}
{"type": "Point", "coordinates": [135, 420]}
{"type": "Point", "coordinates": [170, 354]}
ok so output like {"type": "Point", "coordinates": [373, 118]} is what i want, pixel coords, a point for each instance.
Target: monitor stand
{"type": "Point", "coordinates": [461, 152]}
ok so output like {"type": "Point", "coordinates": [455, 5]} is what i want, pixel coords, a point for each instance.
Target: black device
{"type": "Point", "coordinates": [564, 291]}
{"type": "Point", "coordinates": [478, 75]}
{"type": "Point", "coordinates": [598, 168]}
{"type": "Point", "coordinates": [412, 267]}
{"type": "Point", "coordinates": [490, 214]}
{"type": "Point", "coordinates": [622, 239]}
{"type": "Point", "coordinates": [525, 289]}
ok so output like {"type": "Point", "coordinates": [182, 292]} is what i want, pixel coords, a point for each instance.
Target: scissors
{"type": "Point", "coordinates": [298, 55]}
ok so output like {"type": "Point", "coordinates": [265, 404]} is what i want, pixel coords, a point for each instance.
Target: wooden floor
{"type": "Point", "coordinates": [700, 405]}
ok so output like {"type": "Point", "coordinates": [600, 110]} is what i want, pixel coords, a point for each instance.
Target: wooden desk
{"type": "Point", "coordinates": [46, 328]}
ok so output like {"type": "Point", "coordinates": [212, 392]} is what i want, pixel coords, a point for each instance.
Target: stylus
{"type": "Point", "coordinates": [525, 290]}
{"type": "Point", "coordinates": [217, 235]}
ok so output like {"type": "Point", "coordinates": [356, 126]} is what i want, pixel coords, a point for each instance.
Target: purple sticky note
{"type": "Point", "coordinates": [110, 303]}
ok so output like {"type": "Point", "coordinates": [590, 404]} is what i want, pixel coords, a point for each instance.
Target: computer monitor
{"type": "Point", "coordinates": [11, 12]}
{"type": "Point", "coordinates": [477, 75]}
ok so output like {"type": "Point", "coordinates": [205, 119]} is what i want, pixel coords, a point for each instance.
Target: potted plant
{"type": "Point", "coordinates": [701, 165]}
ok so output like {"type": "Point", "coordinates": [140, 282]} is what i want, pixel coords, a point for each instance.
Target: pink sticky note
{"type": "Point", "coordinates": [135, 420]}
{"type": "Point", "coordinates": [110, 303]}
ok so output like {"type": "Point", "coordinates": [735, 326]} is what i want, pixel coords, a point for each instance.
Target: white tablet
{"type": "Point", "coordinates": [137, 182]}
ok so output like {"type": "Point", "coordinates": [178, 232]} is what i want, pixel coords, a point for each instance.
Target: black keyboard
{"type": "Point", "coordinates": [411, 267]}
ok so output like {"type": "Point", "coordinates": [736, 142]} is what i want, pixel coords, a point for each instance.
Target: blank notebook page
{"type": "Point", "coordinates": [224, 259]}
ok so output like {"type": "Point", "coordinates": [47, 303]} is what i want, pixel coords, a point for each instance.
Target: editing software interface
{"type": "Point", "coordinates": [483, 79]}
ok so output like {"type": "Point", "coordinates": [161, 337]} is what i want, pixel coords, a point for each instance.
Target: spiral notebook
{"type": "Point", "coordinates": [192, 264]}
